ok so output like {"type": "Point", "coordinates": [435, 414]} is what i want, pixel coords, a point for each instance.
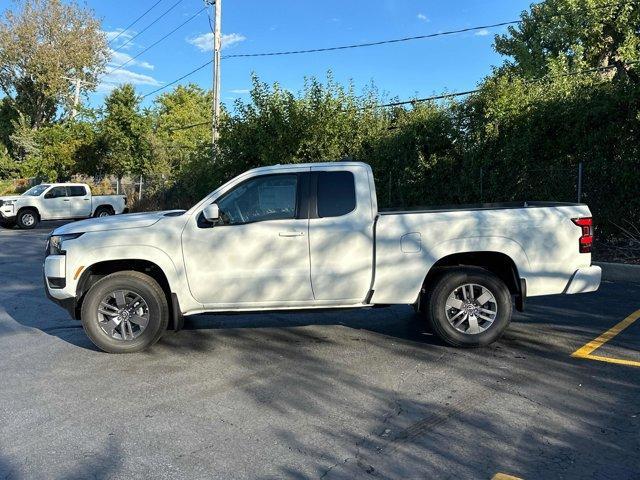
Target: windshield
{"type": "Point", "coordinates": [36, 191]}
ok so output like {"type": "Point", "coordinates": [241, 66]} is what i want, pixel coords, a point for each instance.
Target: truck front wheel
{"type": "Point", "coordinates": [27, 218]}
{"type": "Point", "coordinates": [468, 307]}
{"type": "Point", "coordinates": [125, 312]}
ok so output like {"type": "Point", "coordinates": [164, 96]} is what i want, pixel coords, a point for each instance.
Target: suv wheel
{"type": "Point", "coordinates": [125, 312]}
{"type": "Point", "coordinates": [468, 307]}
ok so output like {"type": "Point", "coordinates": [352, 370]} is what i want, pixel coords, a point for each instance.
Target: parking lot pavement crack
{"type": "Point", "coordinates": [342, 462]}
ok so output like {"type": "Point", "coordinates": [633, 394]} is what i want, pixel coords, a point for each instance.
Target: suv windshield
{"type": "Point", "coordinates": [36, 191]}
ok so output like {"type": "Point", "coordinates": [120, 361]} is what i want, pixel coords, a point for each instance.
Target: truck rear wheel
{"type": "Point", "coordinates": [27, 218]}
{"type": "Point", "coordinates": [104, 212]}
{"type": "Point", "coordinates": [125, 312]}
{"type": "Point", "coordinates": [468, 307]}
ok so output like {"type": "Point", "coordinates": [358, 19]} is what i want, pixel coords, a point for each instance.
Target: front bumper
{"type": "Point", "coordinates": [585, 280]}
{"type": "Point", "coordinates": [7, 212]}
{"type": "Point", "coordinates": [69, 304]}
{"type": "Point", "coordinates": [55, 283]}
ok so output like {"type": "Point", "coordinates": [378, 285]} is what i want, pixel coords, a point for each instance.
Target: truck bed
{"type": "Point", "coordinates": [539, 237]}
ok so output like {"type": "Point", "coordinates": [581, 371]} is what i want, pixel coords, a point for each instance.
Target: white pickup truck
{"type": "Point", "coordinates": [58, 201]}
{"type": "Point", "coordinates": [311, 236]}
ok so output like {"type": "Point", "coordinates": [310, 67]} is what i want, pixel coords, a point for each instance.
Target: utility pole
{"type": "Point", "coordinates": [76, 97]}
{"type": "Point", "coordinates": [217, 46]}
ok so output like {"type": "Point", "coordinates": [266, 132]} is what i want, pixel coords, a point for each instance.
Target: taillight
{"type": "Point", "coordinates": [586, 239]}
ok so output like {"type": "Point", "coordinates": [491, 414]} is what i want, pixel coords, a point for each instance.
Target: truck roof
{"type": "Point", "coordinates": [271, 168]}
{"type": "Point", "coordinates": [65, 184]}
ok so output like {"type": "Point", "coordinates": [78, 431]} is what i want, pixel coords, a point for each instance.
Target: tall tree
{"type": "Point", "coordinates": [579, 33]}
{"type": "Point", "coordinates": [43, 44]}
{"type": "Point", "coordinates": [124, 133]}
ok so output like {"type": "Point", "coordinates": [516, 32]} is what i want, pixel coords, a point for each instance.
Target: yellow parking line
{"type": "Point", "coordinates": [589, 348]}
{"type": "Point", "coordinates": [502, 476]}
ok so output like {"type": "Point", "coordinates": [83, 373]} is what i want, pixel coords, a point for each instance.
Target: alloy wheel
{"type": "Point", "coordinates": [471, 308]}
{"type": "Point", "coordinates": [123, 315]}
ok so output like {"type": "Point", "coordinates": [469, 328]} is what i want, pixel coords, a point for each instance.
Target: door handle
{"type": "Point", "coordinates": [86, 199]}
{"type": "Point", "coordinates": [66, 200]}
{"type": "Point", "coordinates": [291, 234]}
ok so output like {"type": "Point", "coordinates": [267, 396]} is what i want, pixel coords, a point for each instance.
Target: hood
{"type": "Point", "coordinates": [10, 197]}
{"type": "Point", "coordinates": [114, 222]}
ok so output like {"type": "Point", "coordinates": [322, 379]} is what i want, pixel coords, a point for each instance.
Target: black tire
{"type": "Point", "coordinates": [444, 285]}
{"type": "Point", "coordinates": [140, 284]}
{"type": "Point", "coordinates": [104, 212]}
{"type": "Point", "coordinates": [27, 218]}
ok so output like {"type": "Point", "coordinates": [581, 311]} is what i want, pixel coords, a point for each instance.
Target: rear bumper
{"type": "Point", "coordinates": [585, 280]}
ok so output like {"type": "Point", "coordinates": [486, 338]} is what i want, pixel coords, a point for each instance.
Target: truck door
{"type": "Point", "coordinates": [258, 252]}
{"type": "Point", "coordinates": [341, 233]}
{"type": "Point", "coordinates": [79, 201]}
{"type": "Point", "coordinates": [55, 204]}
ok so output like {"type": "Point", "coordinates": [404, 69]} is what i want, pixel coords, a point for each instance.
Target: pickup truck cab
{"type": "Point", "coordinates": [311, 236]}
{"type": "Point", "coordinates": [57, 201]}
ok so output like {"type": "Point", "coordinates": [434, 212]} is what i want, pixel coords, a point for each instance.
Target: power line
{"type": "Point", "coordinates": [369, 44]}
{"type": "Point", "coordinates": [158, 41]}
{"type": "Point", "coordinates": [149, 26]}
{"type": "Point", "coordinates": [343, 47]}
{"type": "Point", "coordinates": [135, 21]}
{"type": "Point", "coordinates": [197, 69]}
{"type": "Point", "coordinates": [186, 127]}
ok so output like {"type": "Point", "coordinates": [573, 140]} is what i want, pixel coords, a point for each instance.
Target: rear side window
{"type": "Point", "coordinates": [336, 194]}
{"type": "Point", "coordinates": [77, 191]}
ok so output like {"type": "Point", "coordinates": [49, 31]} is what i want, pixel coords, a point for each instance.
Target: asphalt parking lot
{"type": "Point", "coordinates": [361, 394]}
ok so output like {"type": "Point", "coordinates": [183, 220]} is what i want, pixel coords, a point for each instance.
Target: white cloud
{"type": "Point", "coordinates": [204, 42]}
{"type": "Point", "coordinates": [423, 17]}
{"type": "Point", "coordinates": [482, 33]}
{"type": "Point", "coordinates": [123, 37]}
{"type": "Point", "coordinates": [120, 58]}
{"type": "Point", "coordinates": [121, 76]}
{"type": "Point", "coordinates": [240, 91]}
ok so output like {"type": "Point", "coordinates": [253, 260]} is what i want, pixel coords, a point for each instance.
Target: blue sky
{"type": "Point", "coordinates": [420, 67]}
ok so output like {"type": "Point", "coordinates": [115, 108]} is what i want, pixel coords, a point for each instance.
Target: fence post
{"type": "Point", "coordinates": [481, 180]}
{"type": "Point", "coordinates": [580, 182]}
{"type": "Point", "coordinates": [140, 191]}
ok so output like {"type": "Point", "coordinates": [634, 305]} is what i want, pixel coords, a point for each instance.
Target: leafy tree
{"type": "Point", "coordinates": [42, 45]}
{"type": "Point", "coordinates": [183, 116]}
{"type": "Point", "coordinates": [24, 139]}
{"type": "Point", "coordinates": [124, 134]}
{"type": "Point", "coordinates": [578, 33]}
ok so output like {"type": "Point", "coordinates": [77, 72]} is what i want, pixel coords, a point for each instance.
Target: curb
{"type": "Point", "coordinates": [619, 272]}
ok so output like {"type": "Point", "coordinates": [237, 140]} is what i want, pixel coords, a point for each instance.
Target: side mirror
{"type": "Point", "coordinates": [211, 213]}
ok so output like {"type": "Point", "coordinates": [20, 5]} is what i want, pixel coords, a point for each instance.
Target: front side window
{"type": "Point", "coordinates": [77, 191]}
{"type": "Point", "coordinates": [271, 197]}
{"type": "Point", "coordinates": [56, 192]}
{"type": "Point", "coordinates": [336, 194]}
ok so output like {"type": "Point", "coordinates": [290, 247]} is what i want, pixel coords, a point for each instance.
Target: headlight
{"type": "Point", "coordinates": [54, 244]}
{"type": "Point", "coordinates": [8, 203]}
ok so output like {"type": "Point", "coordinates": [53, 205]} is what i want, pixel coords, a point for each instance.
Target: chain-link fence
{"type": "Point", "coordinates": [544, 184]}
{"type": "Point", "coordinates": [452, 185]}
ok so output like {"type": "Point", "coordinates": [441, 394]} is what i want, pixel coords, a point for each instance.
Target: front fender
{"type": "Point", "coordinates": [174, 273]}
